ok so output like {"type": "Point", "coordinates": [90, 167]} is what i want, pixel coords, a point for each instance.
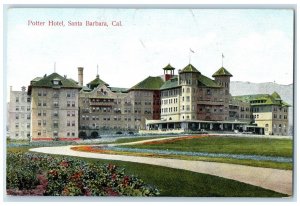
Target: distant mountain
{"type": "Point", "coordinates": [245, 88]}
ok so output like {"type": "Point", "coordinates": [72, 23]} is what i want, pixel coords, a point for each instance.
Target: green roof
{"type": "Point", "coordinates": [168, 67]}
{"type": "Point", "coordinates": [222, 72]}
{"type": "Point", "coordinates": [96, 82]}
{"type": "Point", "coordinates": [73, 80]}
{"type": "Point", "coordinates": [275, 95]}
{"type": "Point", "coordinates": [262, 99]}
{"type": "Point", "coordinates": [150, 83]}
{"type": "Point", "coordinates": [205, 81]}
{"type": "Point", "coordinates": [118, 90]}
{"type": "Point", "coordinates": [36, 79]}
{"type": "Point", "coordinates": [189, 69]}
{"type": "Point", "coordinates": [47, 81]}
{"type": "Point", "coordinates": [171, 83]}
{"type": "Point", "coordinates": [86, 89]}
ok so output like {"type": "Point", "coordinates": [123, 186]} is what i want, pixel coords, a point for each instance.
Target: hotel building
{"type": "Point", "coordinates": [60, 108]}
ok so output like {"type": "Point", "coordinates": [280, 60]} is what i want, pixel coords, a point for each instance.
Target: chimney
{"type": "Point", "coordinates": [80, 76]}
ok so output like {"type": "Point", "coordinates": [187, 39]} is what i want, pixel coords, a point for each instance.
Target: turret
{"type": "Point", "coordinates": [168, 72]}
{"type": "Point", "coordinates": [222, 77]}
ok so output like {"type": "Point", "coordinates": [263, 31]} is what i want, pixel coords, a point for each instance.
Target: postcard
{"type": "Point", "coordinates": [149, 102]}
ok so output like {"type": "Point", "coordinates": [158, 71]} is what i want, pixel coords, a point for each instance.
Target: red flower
{"type": "Point", "coordinates": [64, 164]}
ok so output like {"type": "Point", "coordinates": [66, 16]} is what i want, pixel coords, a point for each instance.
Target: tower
{"type": "Point", "coordinates": [168, 72]}
{"type": "Point", "coordinates": [222, 77]}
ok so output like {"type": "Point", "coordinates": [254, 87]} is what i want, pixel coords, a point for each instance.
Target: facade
{"type": "Point", "coordinates": [269, 112]}
{"type": "Point", "coordinates": [193, 96]}
{"type": "Point", "coordinates": [190, 100]}
{"type": "Point", "coordinates": [54, 108]}
{"type": "Point", "coordinates": [19, 114]}
{"type": "Point", "coordinates": [59, 108]}
{"type": "Point", "coordinates": [103, 108]}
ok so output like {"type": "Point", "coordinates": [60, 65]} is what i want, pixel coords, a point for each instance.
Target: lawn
{"type": "Point", "coordinates": [230, 145]}
{"type": "Point", "coordinates": [181, 183]}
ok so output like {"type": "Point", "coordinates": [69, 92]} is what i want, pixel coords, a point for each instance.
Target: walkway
{"type": "Point", "coordinates": [273, 179]}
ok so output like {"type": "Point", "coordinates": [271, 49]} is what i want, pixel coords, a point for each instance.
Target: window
{"type": "Point", "coordinates": [39, 113]}
{"type": "Point", "coordinates": [44, 113]}
{"type": "Point", "coordinates": [17, 99]}
{"type": "Point", "coordinates": [55, 95]}
{"type": "Point", "coordinates": [56, 82]}
{"type": "Point", "coordinates": [17, 116]}
{"type": "Point", "coordinates": [188, 98]}
{"type": "Point", "coordinates": [28, 125]}
{"type": "Point", "coordinates": [39, 93]}
{"type": "Point", "coordinates": [73, 113]}
{"type": "Point", "coordinates": [55, 124]}
{"type": "Point", "coordinates": [17, 125]}
{"type": "Point", "coordinates": [28, 116]}
{"type": "Point", "coordinates": [39, 122]}
{"type": "Point", "coordinates": [55, 113]}
{"type": "Point", "coordinates": [68, 113]}
{"type": "Point", "coordinates": [55, 133]}
{"type": "Point", "coordinates": [68, 123]}
{"type": "Point", "coordinates": [44, 104]}
{"type": "Point", "coordinates": [55, 104]}
{"type": "Point", "coordinates": [68, 103]}
{"type": "Point", "coordinates": [44, 93]}
{"type": "Point", "coordinates": [208, 92]}
{"type": "Point", "coordinates": [68, 94]}
{"type": "Point", "coordinates": [44, 123]}
{"type": "Point", "coordinates": [28, 99]}
{"type": "Point", "coordinates": [17, 108]}
{"type": "Point", "coordinates": [39, 133]}
{"type": "Point", "coordinates": [28, 108]}
{"type": "Point", "coordinates": [39, 103]}
{"type": "Point", "coordinates": [73, 104]}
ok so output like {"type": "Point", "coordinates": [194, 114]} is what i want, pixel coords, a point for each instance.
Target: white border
{"type": "Point", "coordinates": [164, 4]}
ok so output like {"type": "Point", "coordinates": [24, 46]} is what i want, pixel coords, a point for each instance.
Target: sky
{"type": "Point", "coordinates": [257, 44]}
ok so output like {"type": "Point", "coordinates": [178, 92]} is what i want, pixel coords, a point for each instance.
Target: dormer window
{"type": "Point", "coordinates": [56, 81]}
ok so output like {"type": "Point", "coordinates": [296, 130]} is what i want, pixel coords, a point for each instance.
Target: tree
{"type": "Point", "coordinates": [82, 135]}
{"type": "Point", "coordinates": [94, 134]}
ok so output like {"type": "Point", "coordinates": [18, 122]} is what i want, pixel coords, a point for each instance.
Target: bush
{"type": "Point", "coordinates": [39, 174]}
{"type": "Point", "coordinates": [82, 135]}
{"type": "Point", "coordinates": [94, 135]}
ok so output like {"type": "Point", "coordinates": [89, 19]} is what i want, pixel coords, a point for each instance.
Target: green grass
{"type": "Point", "coordinates": [181, 183]}
{"type": "Point", "coordinates": [232, 145]}
{"type": "Point", "coordinates": [134, 139]}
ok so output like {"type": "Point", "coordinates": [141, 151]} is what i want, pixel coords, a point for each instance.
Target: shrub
{"type": "Point", "coordinates": [39, 174]}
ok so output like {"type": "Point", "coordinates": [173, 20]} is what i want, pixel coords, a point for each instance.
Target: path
{"type": "Point", "coordinates": [273, 179]}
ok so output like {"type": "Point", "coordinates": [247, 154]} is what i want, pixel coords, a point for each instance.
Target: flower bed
{"type": "Point", "coordinates": [170, 153]}
{"type": "Point", "coordinates": [38, 174]}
